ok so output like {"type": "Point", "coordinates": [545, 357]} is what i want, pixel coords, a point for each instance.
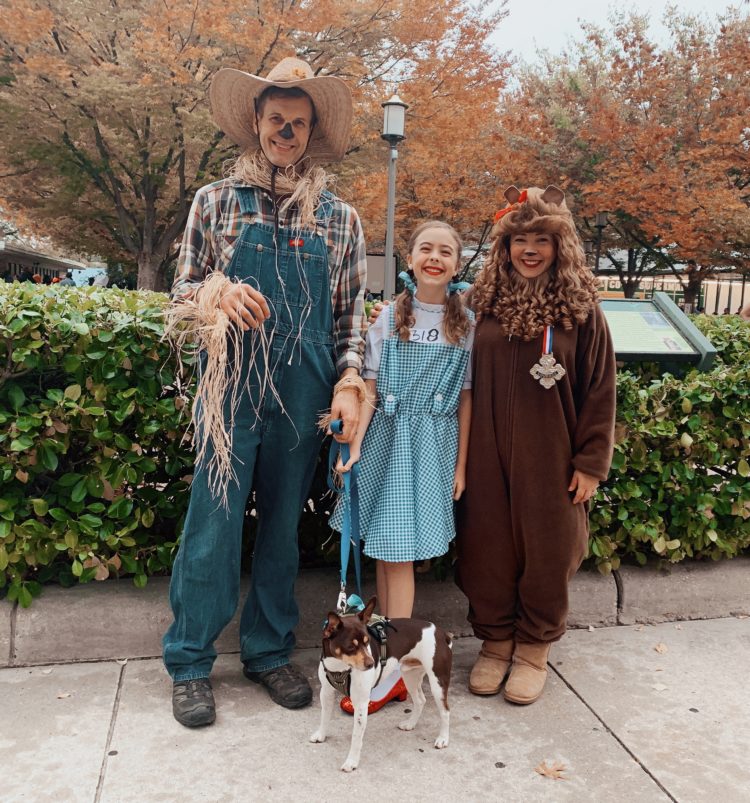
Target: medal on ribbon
{"type": "Point", "coordinates": [547, 371]}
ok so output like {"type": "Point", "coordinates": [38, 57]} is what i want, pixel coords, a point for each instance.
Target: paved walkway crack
{"type": "Point", "coordinates": [13, 625]}
{"type": "Point", "coordinates": [620, 586]}
{"type": "Point", "coordinates": [616, 738]}
{"type": "Point", "coordinates": [115, 708]}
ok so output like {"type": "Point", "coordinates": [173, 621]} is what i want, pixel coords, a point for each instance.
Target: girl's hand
{"type": "Point", "coordinates": [459, 483]}
{"type": "Point", "coordinates": [584, 485]}
{"type": "Point", "coordinates": [354, 455]}
{"type": "Point", "coordinates": [377, 308]}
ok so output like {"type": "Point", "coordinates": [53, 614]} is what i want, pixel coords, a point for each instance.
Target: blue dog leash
{"type": "Point", "coordinates": [350, 523]}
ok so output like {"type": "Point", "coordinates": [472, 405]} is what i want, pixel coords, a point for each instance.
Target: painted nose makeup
{"type": "Point", "coordinates": [286, 132]}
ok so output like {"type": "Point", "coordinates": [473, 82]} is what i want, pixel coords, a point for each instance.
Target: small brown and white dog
{"type": "Point", "coordinates": [419, 648]}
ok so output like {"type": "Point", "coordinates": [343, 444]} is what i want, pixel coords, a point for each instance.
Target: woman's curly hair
{"type": "Point", "coordinates": [456, 323]}
{"type": "Point", "coordinates": [564, 294]}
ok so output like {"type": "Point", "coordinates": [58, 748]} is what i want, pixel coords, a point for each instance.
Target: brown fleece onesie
{"type": "Point", "coordinates": [520, 537]}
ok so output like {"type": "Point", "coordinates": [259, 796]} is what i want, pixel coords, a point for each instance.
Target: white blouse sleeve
{"type": "Point", "coordinates": [376, 335]}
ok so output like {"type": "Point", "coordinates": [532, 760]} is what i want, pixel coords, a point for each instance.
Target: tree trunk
{"type": "Point", "coordinates": [150, 275]}
{"type": "Point", "coordinates": [693, 291]}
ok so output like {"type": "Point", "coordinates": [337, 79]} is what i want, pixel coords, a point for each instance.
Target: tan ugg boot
{"type": "Point", "coordinates": [491, 667]}
{"type": "Point", "coordinates": [528, 674]}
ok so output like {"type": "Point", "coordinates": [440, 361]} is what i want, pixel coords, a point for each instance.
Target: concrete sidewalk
{"type": "Point", "coordinates": [640, 712]}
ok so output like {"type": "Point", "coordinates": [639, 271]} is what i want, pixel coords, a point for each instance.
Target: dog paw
{"type": "Point", "coordinates": [441, 742]}
{"type": "Point", "coordinates": [407, 725]}
{"type": "Point", "coordinates": [318, 737]}
{"type": "Point", "coordinates": [348, 766]}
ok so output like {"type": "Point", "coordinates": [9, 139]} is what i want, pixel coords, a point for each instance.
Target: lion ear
{"type": "Point", "coordinates": [553, 195]}
{"type": "Point", "coordinates": [512, 194]}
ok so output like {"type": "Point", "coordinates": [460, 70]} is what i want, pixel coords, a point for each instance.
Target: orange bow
{"type": "Point", "coordinates": [522, 198]}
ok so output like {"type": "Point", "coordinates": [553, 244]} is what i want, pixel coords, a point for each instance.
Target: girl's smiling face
{"type": "Point", "coordinates": [434, 260]}
{"type": "Point", "coordinates": [532, 253]}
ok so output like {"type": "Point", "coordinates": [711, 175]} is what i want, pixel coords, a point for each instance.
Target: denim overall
{"type": "Point", "coordinates": [275, 453]}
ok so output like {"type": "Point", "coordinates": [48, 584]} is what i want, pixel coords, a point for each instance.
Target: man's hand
{"type": "Point", "coordinates": [245, 306]}
{"type": "Point", "coordinates": [345, 405]}
{"type": "Point", "coordinates": [584, 485]}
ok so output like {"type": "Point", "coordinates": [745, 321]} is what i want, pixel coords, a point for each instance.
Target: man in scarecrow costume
{"type": "Point", "coordinates": [269, 291]}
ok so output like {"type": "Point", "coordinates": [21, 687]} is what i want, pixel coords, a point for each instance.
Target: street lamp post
{"type": "Point", "coordinates": [599, 223]}
{"type": "Point", "coordinates": [394, 113]}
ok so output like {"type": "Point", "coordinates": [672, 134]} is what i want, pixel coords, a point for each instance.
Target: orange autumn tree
{"type": "Point", "coordinates": [444, 165]}
{"type": "Point", "coordinates": [656, 136]}
{"type": "Point", "coordinates": [105, 129]}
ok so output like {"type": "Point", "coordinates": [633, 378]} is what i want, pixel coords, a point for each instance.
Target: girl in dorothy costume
{"type": "Point", "coordinates": [413, 434]}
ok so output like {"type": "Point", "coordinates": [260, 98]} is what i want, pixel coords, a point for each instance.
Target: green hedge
{"type": "Point", "coordinates": [95, 475]}
{"type": "Point", "coordinates": [679, 483]}
{"type": "Point", "coordinates": [95, 470]}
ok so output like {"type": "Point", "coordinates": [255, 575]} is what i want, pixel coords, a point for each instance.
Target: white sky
{"type": "Point", "coordinates": [549, 24]}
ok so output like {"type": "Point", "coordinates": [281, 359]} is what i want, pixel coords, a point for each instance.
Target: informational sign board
{"type": "Point", "coordinates": [655, 330]}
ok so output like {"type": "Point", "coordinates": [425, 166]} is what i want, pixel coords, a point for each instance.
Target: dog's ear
{"type": "Point", "coordinates": [369, 608]}
{"type": "Point", "coordinates": [332, 624]}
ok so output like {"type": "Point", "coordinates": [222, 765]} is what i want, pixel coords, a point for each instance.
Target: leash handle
{"type": "Point", "coordinates": [350, 523]}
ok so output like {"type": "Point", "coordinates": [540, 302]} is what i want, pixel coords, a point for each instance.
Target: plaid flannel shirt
{"type": "Point", "coordinates": [215, 222]}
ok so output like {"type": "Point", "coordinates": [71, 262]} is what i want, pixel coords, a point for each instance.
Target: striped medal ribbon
{"type": "Point", "coordinates": [547, 371]}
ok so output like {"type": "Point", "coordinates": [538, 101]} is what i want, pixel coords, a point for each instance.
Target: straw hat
{"type": "Point", "coordinates": [233, 94]}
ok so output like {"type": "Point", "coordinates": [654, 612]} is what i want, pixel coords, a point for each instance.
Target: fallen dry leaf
{"type": "Point", "coordinates": [661, 648]}
{"type": "Point", "coordinates": [591, 628]}
{"type": "Point", "coordinates": [63, 695]}
{"type": "Point", "coordinates": [640, 627]}
{"type": "Point", "coordinates": [554, 771]}
{"type": "Point", "coordinates": [678, 627]}
{"type": "Point", "coordinates": [46, 671]}
{"type": "Point", "coordinates": [659, 687]}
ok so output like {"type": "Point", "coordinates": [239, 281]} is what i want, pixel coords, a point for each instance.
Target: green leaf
{"type": "Point", "coordinates": [3, 558]}
{"type": "Point", "coordinates": [48, 456]}
{"type": "Point", "coordinates": [140, 580]}
{"type": "Point", "coordinates": [71, 539]}
{"type": "Point", "coordinates": [79, 490]}
{"type": "Point", "coordinates": [147, 518]}
{"type": "Point", "coordinates": [40, 507]}
{"type": "Point", "coordinates": [77, 568]}
{"type": "Point", "coordinates": [743, 468]}
{"type": "Point", "coordinates": [95, 486]}
{"type": "Point", "coordinates": [16, 396]}
{"type": "Point", "coordinates": [71, 363]}
{"type": "Point", "coordinates": [24, 597]}
{"type": "Point", "coordinates": [21, 444]}
{"type": "Point", "coordinates": [73, 392]}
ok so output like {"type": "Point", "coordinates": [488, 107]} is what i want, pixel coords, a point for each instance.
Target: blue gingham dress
{"type": "Point", "coordinates": [409, 452]}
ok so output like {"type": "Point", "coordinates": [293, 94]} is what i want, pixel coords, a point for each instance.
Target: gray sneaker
{"type": "Point", "coordinates": [193, 702]}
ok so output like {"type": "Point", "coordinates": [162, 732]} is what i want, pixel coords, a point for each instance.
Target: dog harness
{"type": "Point", "coordinates": [342, 681]}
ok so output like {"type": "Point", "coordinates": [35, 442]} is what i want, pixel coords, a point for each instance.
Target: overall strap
{"type": "Point", "coordinates": [247, 201]}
